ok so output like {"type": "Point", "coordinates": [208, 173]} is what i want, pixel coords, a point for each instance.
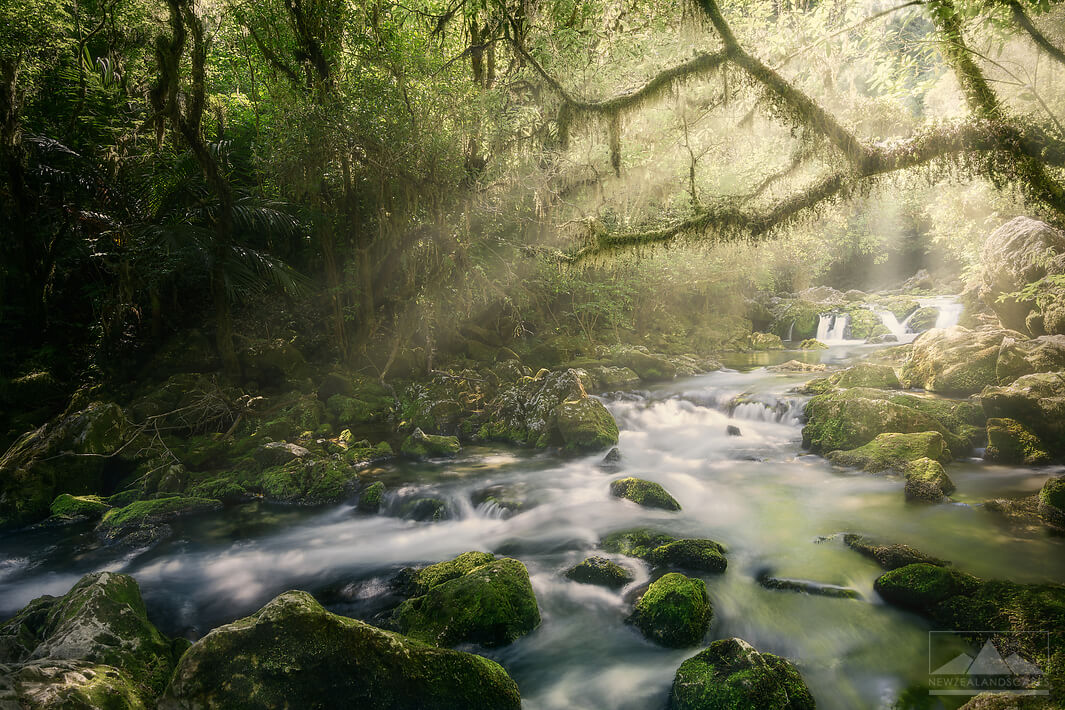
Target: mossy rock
{"type": "Point", "coordinates": [420, 445]}
{"type": "Point", "coordinates": [764, 341]}
{"type": "Point", "coordinates": [145, 521]}
{"type": "Point", "coordinates": [731, 675]}
{"type": "Point", "coordinates": [956, 360]}
{"type": "Point", "coordinates": [492, 605]}
{"type": "Point", "coordinates": [923, 319]}
{"type": "Point", "coordinates": [926, 481]}
{"type": "Point", "coordinates": [424, 509]}
{"type": "Point", "coordinates": [645, 493]}
{"type": "Point", "coordinates": [812, 344]}
{"type": "Point", "coordinates": [847, 419]}
{"type": "Point", "coordinates": [674, 611]}
{"type": "Point", "coordinates": [1010, 442]}
{"type": "Point", "coordinates": [691, 554]}
{"type": "Point", "coordinates": [894, 451]}
{"type": "Point", "coordinates": [864, 324]}
{"type": "Point", "coordinates": [922, 586]}
{"type": "Point", "coordinates": [861, 375]}
{"type": "Point", "coordinates": [650, 368]}
{"type": "Point", "coordinates": [414, 582]}
{"type": "Point", "coordinates": [890, 556]}
{"type": "Point", "coordinates": [293, 653]}
{"type": "Point", "coordinates": [308, 481]}
{"type": "Point", "coordinates": [93, 643]}
{"type": "Point", "coordinates": [68, 506]}
{"type": "Point", "coordinates": [635, 542]}
{"type": "Point", "coordinates": [586, 425]}
{"type": "Point", "coordinates": [1037, 401]}
{"type": "Point", "coordinates": [600, 571]}
{"type": "Point", "coordinates": [371, 497]}
{"type": "Point", "coordinates": [1052, 501]}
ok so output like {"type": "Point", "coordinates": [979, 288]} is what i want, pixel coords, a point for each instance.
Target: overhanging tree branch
{"type": "Point", "coordinates": [1025, 22]}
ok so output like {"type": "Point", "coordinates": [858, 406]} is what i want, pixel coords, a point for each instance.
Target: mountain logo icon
{"type": "Point", "coordinates": [988, 662]}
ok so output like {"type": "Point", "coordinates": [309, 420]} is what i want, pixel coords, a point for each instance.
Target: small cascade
{"type": "Point", "coordinates": [791, 331]}
{"type": "Point", "coordinates": [783, 410]}
{"type": "Point", "coordinates": [832, 327]}
{"type": "Point", "coordinates": [949, 314]}
{"type": "Point", "coordinates": [892, 324]}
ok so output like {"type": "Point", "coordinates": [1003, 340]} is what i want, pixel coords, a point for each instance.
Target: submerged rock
{"type": "Point", "coordinates": [674, 611]}
{"type": "Point", "coordinates": [731, 675]}
{"type": "Point", "coordinates": [894, 451]}
{"type": "Point", "coordinates": [805, 586]}
{"type": "Point", "coordinates": [797, 366]}
{"type": "Point", "coordinates": [94, 647]}
{"type": "Point", "coordinates": [424, 509]}
{"type": "Point", "coordinates": [645, 493]}
{"type": "Point", "coordinates": [601, 571]}
{"type": "Point", "coordinates": [1047, 507]}
{"type": "Point", "coordinates": [889, 556]}
{"type": "Point", "coordinates": [636, 542]}
{"type": "Point", "coordinates": [420, 445]}
{"type": "Point", "coordinates": [491, 604]}
{"type": "Point", "coordinates": [293, 653]}
{"type": "Point", "coordinates": [147, 521]}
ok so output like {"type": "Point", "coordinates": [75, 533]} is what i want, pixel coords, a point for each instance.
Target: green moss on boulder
{"type": "Point", "coordinates": [635, 542]}
{"type": "Point", "coordinates": [68, 506]}
{"type": "Point", "coordinates": [889, 556]}
{"type": "Point", "coordinates": [293, 653]}
{"type": "Point", "coordinates": [645, 493]}
{"type": "Point", "coordinates": [1052, 501]}
{"type": "Point", "coordinates": [812, 344]}
{"type": "Point", "coordinates": [146, 521]}
{"type": "Point", "coordinates": [923, 319]}
{"type": "Point", "coordinates": [492, 605]}
{"type": "Point", "coordinates": [420, 445]}
{"type": "Point", "coordinates": [922, 586]}
{"type": "Point", "coordinates": [600, 571]}
{"type": "Point", "coordinates": [1037, 402]}
{"type": "Point", "coordinates": [1009, 441]}
{"type": "Point", "coordinates": [674, 611]}
{"type": "Point", "coordinates": [956, 360]}
{"type": "Point", "coordinates": [93, 643]}
{"type": "Point", "coordinates": [894, 451]}
{"type": "Point", "coordinates": [414, 582]}
{"type": "Point", "coordinates": [731, 675]}
{"type": "Point", "coordinates": [650, 368]}
{"type": "Point", "coordinates": [690, 554]}
{"type": "Point", "coordinates": [371, 497]}
{"type": "Point", "coordinates": [926, 481]}
{"type": "Point", "coordinates": [586, 425]}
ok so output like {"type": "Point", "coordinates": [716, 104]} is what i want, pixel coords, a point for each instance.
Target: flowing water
{"type": "Point", "coordinates": [758, 493]}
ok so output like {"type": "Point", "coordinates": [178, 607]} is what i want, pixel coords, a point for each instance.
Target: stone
{"type": "Point", "coordinates": [926, 481]}
{"type": "Point", "coordinates": [279, 453]}
{"type": "Point", "coordinates": [956, 360]}
{"type": "Point", "coordinates": [1036, 401]}
{"type": "Point", "coordinates": [600, 571]}
{"type": "Point", "coordinates": [585, 425]}
{"type": "Point", "coordinates": [805, 586]}
{"type": "Point", "coordinates": [733, 430]}
{"type": "Point", "coordinates": [694, 554]}
{"type": "Point", "coordinates": [674, 611]}
{"type": "Point", "coordinates": [645, 493]}
{"type": "Point", "coordinates": [922, 320]}
{"type": "Point", "coordinates": [730, 674]}
{"type": "Point", "coordinates": [294, 653]}
{"type": "Point", "coordinates": [420, 445]}
{"type": "Point", "coordinates": [889, 556]}
{"type": "Point", "coordinates": [144, 522]}
{"type": "Point", "coordinates": [1021, 252]}
{"type": "Point", "coordinates": [1010, 442]}
{"type": "Point", "coordinates": [894, 451]}
{"type": "Point", "coordinates": [371, 498]}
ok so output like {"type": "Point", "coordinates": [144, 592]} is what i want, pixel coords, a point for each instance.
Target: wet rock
{"type": "Point", "coordinates": [864, 324]}
{"type": "Point", "coordinates": [600, 571]}
{"type": "Point", "coordinates": [416, 581]}
{"type": "Point", "coordinates": [508, 499]}
{"type": "Point", "coordinates": [1017, 358]}
{"type": "Point", "coordinates": [731, 675]}
{"type": "Point", "coordinates": [694, 554]}
{"type": "Point", "coordinates": [650, 368]}
{"type": "Point", "coordinates": [956, 360]}
{"type": "Point", "coordinates": [294, 653]}
{"type": "Point", "coordinates": [1037, 401]}
{"type": "Point", "coordinates": [895, 451]}
{"type": "Point", "coordinates": [645, 493]}
{"type": "Point", "coordinates": [764, 341]}
{"type": "Point", "coordinates": [1052, 501]}
{"type": "Point", "coordinates": [847, 419]}
{"type": "Point", "coordinates": [144, 522]}
{"type": "Point", "coordinates": [585, 425]}
{"type": "Point", "coordinates": [1010, 442]}
{"type": "Point", "coordinates": [812, 344]}
{"type": "Point", "coordinates": [607, 378]}
{"type": "Point", "coordinates": [889, 556]}
{"type": "Point", "coordinates": [424, 509]}
{"type": "Point", "coordinates": [733, 430]}
{"type": "Point", "coordinates": [926, 481]}
{"type": "Point", "coordinates": [674, 611]}
{"type": "Point", "coordinates": [525, 413]}
{"type": "Point", "coordinates": [636, 542]}
{"type": "Point", "coordinates": [797, 366]}
{"type": "Point", "coordinates": [797, 317]}
{"type": "Point", "coordinates": [93, 647]}
{"type": "Point", "coordinates": [860, 375]}
{"type": "Point", "coordinates": [420, 445]}
{"type": "Point", "coordinates": [803, 586]}
{"type": "Point", "coordinates": [371, 498]}
{"type": "Point", "coordinates": [612, 459]}
{"type": "Point", "coordinates": [492, 605]}
{"type": "Point", "coordinates": [923, 586]}
{"type": "Point", "coordinates": [923, 319]}
{"type": "Point", "coordinates": [81, 507]}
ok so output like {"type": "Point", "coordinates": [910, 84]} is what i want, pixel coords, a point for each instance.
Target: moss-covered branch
{"type": "Point", "coordinates": [1025, 23]}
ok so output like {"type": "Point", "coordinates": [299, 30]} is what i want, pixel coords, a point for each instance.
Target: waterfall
{"type": "Point", "coordinates": [791, 330]}
{"type": "Point", "coordinates": [832, 327]}
{"type": "Point", "coordinates": [949, 313]}
{"type": "Point", "coordinates": [892, 324]}
{"type": "Point", "coordinates": [824, 325]}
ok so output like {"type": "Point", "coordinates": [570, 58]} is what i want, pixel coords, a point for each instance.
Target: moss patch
{"type": "Point", "coordinates": [674, 611]}
{"type": "Point", "coordinates": [894, 451]}
{"type": "Point", "coordinates": [645, 493]}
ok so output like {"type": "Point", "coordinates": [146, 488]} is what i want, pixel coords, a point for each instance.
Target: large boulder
{"type": "Point", "coordinates": [293, 653]}
{"type": "Point", "coordinates": [923, 319]}
{"type": "Point", "coordinates": [1037, 401]}
{"type": "Point", "coordinates": [585, 425]}
{"type": "Point", "coordinates": [94, 647]}
{"type": "Point", "coordinates": [863, 374]}
{"type": "Point", "coordinates": [674, 611]}
{"type": "Point", "coordinates": [69, 455]}
{"type": "Point", "coordinates": [894, 451]}
{"type": "Point", "coordinates": [1023, 357]}
{"type": "Point", "coordinates": [646, 493]}
{"type": "Point", "coordinates": [731, 675]}
{"type": "Point", "coordinates": [1021, 252]}
{"type": "Point", "coordinates": [956, 360]}
{"type": "Point", "coordinates": [1010, 442]}
{"type": "Point", "coordinates": [927, 481]}
{"type": "Point", "coordinates": [525, 412]}
{"type": "Point", "coordinates": [847, 419]}
{"type": "Point", "coordinates": [491, 604]}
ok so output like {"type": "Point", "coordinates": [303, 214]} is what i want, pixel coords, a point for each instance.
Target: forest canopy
{"type": "Point", "coordinates": [392, 170]}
